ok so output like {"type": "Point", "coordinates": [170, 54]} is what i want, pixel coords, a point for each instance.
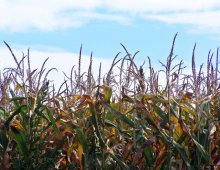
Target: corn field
{"type": "Point", "coordinates": [123, 121]}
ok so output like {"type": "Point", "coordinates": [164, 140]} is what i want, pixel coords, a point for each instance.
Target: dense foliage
{"type": "Point", "coordinates": [124, 121]}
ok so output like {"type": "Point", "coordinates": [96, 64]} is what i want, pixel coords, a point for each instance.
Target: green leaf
{"type": "Point", "coordinates": [3, 140]}
{"type": "Point", "coordinates": [148, 152]}
{"type": "Point", "coordinates": [111, 124]}
{"type": "Point", "coordinates": [109, 116]}
{"type": "Point", "coordinates": [80, 136]}
{"type": "Point", "coordinates": [13, 97]}
{"type": "Point", "coordinates": [161, 113]}
{"type": "Point", "coordinates": [127, 99]}
{"type": "Point", "coordinates": [52, 120]}
{"type": "Point", "coordinates": [3, 113]}
{"type": "Point", "coordinates": [107, 93]}
{"type": "Point", "coordinates": [119, 115]}
{"type": "Point", "coordinates": [182, 152]}
{"type": "Point", "coordinates": [19, 138]}
{"type": "Point", "coordinates": [119, 161]}
{"type": "Point", "coordinates": [42, 93]}
{"type": "Point", "coordinates": [150, 120]}
{"type": "Point", "coordinates": [206, 107]}
{"type": "Point", "coordinates": [141, 149]}
{"type": "Point", "coordinates": [20, 109]}
{"type": "Point", "coordinates": [201, 149]}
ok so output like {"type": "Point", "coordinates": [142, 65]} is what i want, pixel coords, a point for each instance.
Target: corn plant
{"type": "Point", "coordinates": [124, 121]}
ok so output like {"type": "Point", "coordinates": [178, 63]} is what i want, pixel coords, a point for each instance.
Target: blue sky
{"type": "Point", "coordinates": [56, 29]}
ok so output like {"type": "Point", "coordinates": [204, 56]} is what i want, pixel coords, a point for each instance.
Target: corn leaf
{"type": "Point", "coordinates": [202, 150]}
{"type": "Point", "coordinates": [20, 109]}
{"type": "Point", "coordinates": [52, 120]}
{"type": "Point", "coordinates": [80, 155]}
{"type": "Point", "coordinates": [19, 138]}
{"type": "Point", "coordinates": [119, 115]}
{"type": "Point", "coordinates": [161, 113]}
{"type": "Point", "coordinates": [119, 161]}
{"type": "Point", "coordinates": [80, 136]}
{"type": "Point", "coordinates": [3, 140]}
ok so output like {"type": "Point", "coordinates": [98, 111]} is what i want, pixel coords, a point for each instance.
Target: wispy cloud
{"type": "Point", "coordinates": [205, 21]}
{"type": "Point", "coordinates": [160, 6]}
{"type": "Point", "coordinates": [50, 15]}
{"type": "Point", "coordinates": [198, 15]}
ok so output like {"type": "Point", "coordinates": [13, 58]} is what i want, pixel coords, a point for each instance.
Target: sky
{"type": "Point", "coordinates": [56, 29]}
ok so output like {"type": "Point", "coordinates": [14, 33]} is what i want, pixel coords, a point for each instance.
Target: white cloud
{"type": "Point", "coordinates": [198, 15]}
{"type": "Point", "coordinates": [158, 6]}
{"type": "Point", "coordinates": [199, 21]}
{"type": "Point", "coordinates": [50, 15]}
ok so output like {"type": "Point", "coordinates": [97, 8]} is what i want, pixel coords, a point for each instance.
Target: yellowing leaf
{"type": "Point", "coordinates": [79, 153]}
{"type": "Point", "coordinates": [67, 129]}
{"type": "Point", "coordinates": [107, 93]}
{"type": "Point", "coordinates": [112, 131]}
{"type": "Point", "coordinates": [18, 87]}
{"type": "Point", "coordinates": [18, 126]}
{"type": "Point", "coordinates": [179, 129]}
{"type": "Point", "coordinates": [63, 163]}
{"type": "Point", "coordinates": [174, 119]}
{"type": "Point", "coordinates": [76, 97]}
{"type": "Point", "coordinates": [63, 113]}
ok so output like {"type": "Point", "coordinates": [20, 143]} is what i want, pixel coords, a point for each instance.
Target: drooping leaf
{"type": "Point", "coordinates": [128, 99]}
{"type": "Point", "coordinates": [119, 161]}
{"type": "Point", "coordinates": [202, 150]}
{"type": "Point", "coordinates": [182, 152]}
{"type": "Point", "coordinates": [20, 109]}
{"type": "Point", "coordinates": [119, 115]}
{"type": "Point", "coordinates": [111, 124]}
{"type": "Point", "coordinates": [161, 113]}
{"type": "Point", "coordinates": [17, 125]}
{"type": "Point", "coordinates": [198, 145]}
{"type": "Point", "coordinates": [139, 152]}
